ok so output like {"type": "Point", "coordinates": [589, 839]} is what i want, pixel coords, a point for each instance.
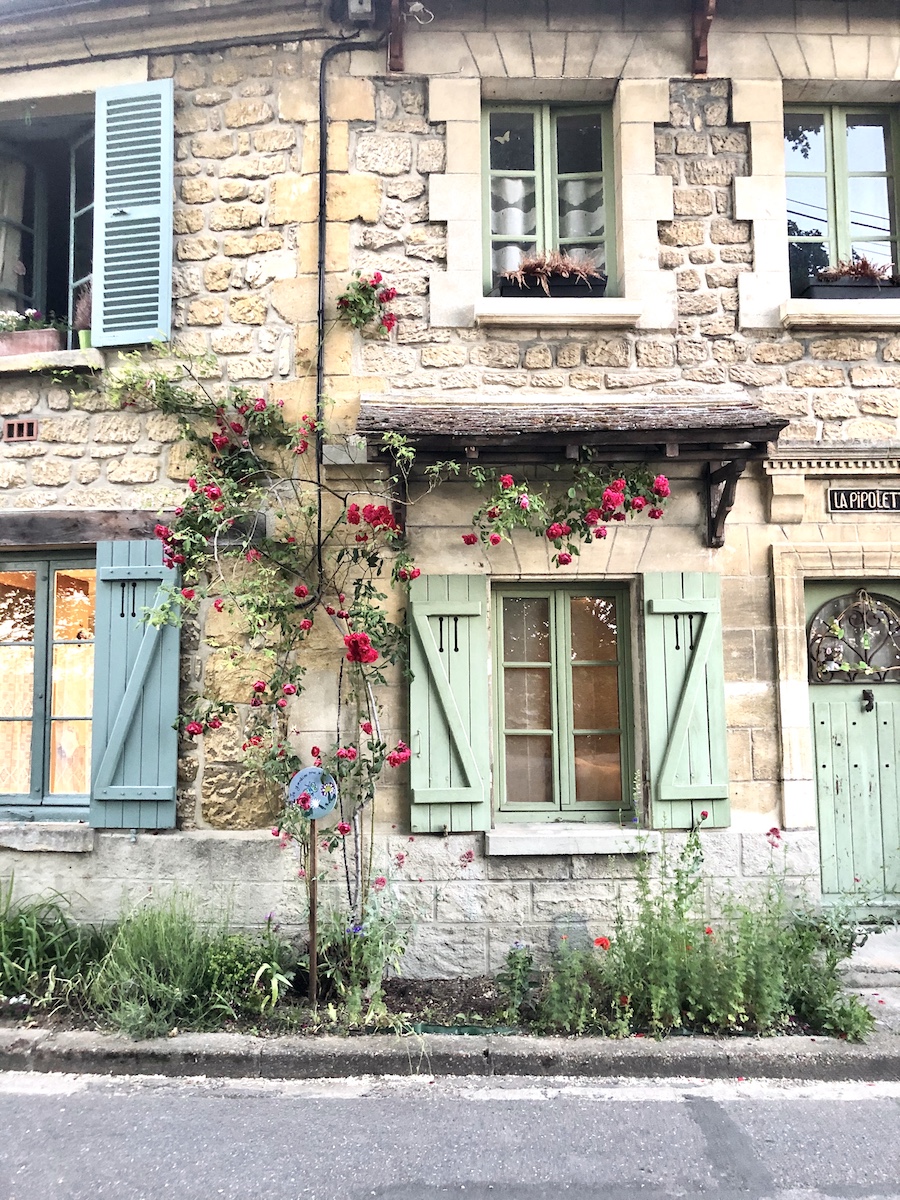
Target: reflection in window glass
{"type": "Point", "coordinates": [868, 143]}
{"type": "Point", "coordinates": [804, 142]}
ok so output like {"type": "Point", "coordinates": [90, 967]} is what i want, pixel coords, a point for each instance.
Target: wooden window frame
{"type": "Point", "coordinates": [837, 175]}
{"type": "Point", "coordinates": [565, 805]}
{"type": "Point", "coordinates": [547, 181]}
{"type": "Point", "coordinates": [38, 802]}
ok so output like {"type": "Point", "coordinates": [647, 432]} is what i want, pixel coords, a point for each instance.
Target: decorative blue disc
{"type": "Point", "coordinates": [319, 786]}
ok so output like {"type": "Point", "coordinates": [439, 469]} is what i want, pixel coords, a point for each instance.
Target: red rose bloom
{"type": "Point", "coordinates": [360, 648]}
{"type": "Point", "coordinates": [495, 539]}
{"type": "Point", "coordinates": [564, 559]}
{"type": "Point", "coordinates": [470, 538]}
{"type": "Point", "coordinates": [506, 481]}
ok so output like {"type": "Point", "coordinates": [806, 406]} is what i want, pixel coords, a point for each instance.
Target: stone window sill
{"type": "Point", "coordinates": [605, 313]}
{"type": "Point", "coordinates": [841, 314]}
{"type": "Point", "coordinates": [51, 360]}
{"type": "Point", "coordinates": [559, 838]}
{"type": "Point", "coordinates": [65, 837]}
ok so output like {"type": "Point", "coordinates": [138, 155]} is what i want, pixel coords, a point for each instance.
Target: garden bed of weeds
{"type": "Point", "coordinates": [666, 965]}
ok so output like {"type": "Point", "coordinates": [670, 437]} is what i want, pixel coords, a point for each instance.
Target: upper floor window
{"type": "Point", "coordinates": [86, 199]}
{"type": "Point", "coordinates": [548, 173]}
{"type": "Point", "coordinates": [841, 197]}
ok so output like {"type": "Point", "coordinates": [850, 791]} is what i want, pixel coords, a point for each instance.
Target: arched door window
{"type": "Point", "coordinates": [855, 638]}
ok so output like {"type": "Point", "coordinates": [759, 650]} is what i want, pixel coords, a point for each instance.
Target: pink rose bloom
{"type": "Point", "coordinates": [524, 502]}
{"type": "Point", "coordinates": [564, 559]}
{"type": "Point", "coordinates": [495, 539]}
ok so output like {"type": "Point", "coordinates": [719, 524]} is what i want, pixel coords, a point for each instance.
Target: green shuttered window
{"type": "Point", "coordinates": [86, 195]}
{"type": "Point", "coordinates": [562, 721]}
{"type": "Point", "coordinates": [88, 690]}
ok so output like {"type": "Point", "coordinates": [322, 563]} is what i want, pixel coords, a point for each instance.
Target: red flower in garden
{"type": "Point", "coordinates": [220, 440]}
{"type": "Point", "coordinates": [260, 685]}
{"type": "Point", "coordinates": [600, 533]}
{"type": "Point", "coordinates": [330, 610]}
{"type": "Point", "coordinates": [281, 702]}
{"type": "Point", "coordinates": [259, 405]}
{"type": "Point", "coordinates": [470, 538]}
{"type": "Point", "coordinates": [192, 484]}
{"type": "Point", "coordinates": [554, 531]}
{"type": "Point", "coordinates": [214, 723]}
{"type": "Point", "coordinates": [366, 726]}
{"type": "Point", "coordinates": [708, 930]}
{"type": "Point", "coordinates": [564, 559]}
{"type": "Point", "coordinates": [306, 624]}
{"type": "Point", "coordinates": [348, 752]}
{"type": "Point", "coordinates": [315, 751]}
{"type": "Point", "coordinates": [194, 728]}
{"type": "Point", "coordinates": [493, 513]}
{"type": "Point", "coordinates": [343, 828]}
{"type": "Point", "coordinates": [660, 487]}
{"type": "Point", "coordinates": [218, 604]}
{"type": "Point", "coordinates": [211, 492]}
{"type": "Point", "coordinates": [602, 942]}
{"type": "Point", "coordinates": [163, 532]}
{"type": "Point", "coordinates": [388, 321]}
{"type": "Point", "coordinates": [703, 815]}
{"type": "Point", "coordinates": [290, 689]}
{"type": "Point", "coordinates": [386, 295]}
{"type": "Point", "coordinates": [188, 593]}
{"type": "Point", "coordinates": [360, 648]}
{"type": "Point", "coordinates": [400, 755]}
{"type": "Point", "coordinates": [353, 514]}
{"type": "Point", "coordinates": [379, 883]}
{"type": "Point", "coordinates": [301, 591]}
{"type": "Point", "coordinates": [619, 485]}
{"type": "Point", "coordinates": [638, 503]}
{"type": "Point", "coordinates": [507, 481]}
{"type": "Point", "coordinates": [305, 801]}
{"type": "Point", "coordinates": [654, 513]}
{"type": "Point", "coordinates": [773, 837]}
{"type": "Point", "coordinates": [592, 517]}
{"type": "Point", "coordinates": [495, 539]}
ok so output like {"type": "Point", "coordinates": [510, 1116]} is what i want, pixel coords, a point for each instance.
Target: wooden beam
{"type": "Point", "coordinates": [77, 528]}
{"type": "Point", "coordinates": [395, 39]}
{"type": "Point", "coordinates": [721, 486]}
{"type": "Point", "coordinates": [702, 19]}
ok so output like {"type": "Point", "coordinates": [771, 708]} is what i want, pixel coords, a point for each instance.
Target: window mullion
{"type": "Point", "coordinates": [40, 734]}
{"type": "Point", "coordinates": [838, 184]}
{"type": "Point", "coordinates": [549, 205]}
{"type": "Point", "coordinates": [564, 740]}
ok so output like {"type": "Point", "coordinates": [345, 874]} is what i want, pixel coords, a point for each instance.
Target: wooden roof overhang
{"type": "Point", "coordinates": [724, 435]}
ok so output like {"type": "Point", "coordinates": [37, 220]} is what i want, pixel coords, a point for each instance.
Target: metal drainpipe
{"type": "Point", "coordinates": [328, 54]}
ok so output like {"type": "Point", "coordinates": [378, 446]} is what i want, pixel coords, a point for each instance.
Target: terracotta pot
{"type": "Point", "coordinates": [30, 341]}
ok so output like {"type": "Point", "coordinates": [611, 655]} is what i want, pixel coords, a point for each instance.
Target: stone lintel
{"type": "Point", "coordinates": [51, 360]}
{"type": "Point", "coordinates": [841, 314]}
{"type": "Point", "coordinates": [602, 313]}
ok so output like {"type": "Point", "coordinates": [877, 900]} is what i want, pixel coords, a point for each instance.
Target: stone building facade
{"type": "Point", "coordinates": [703, 321]}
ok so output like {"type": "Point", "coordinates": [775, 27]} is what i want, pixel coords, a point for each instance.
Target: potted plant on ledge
{"type": "Point", "coordinates": [553, 274]}
{"type": "Point", "coordinates": [856, 279]}
{"type": "Point", "coordinates": [29, 332]}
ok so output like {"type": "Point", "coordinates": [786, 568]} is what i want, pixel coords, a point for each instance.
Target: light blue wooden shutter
{"type": "Point", "coordinates": [685, 684]}
{"type": "Point", "coordinates": [133, 180]}
{"type": "Point", "coordinates": [449, 704]}
{"type": "Point", "coordinates": [135, 747]}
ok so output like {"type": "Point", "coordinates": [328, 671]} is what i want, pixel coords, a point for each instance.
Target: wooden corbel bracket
{"type": "Point", "coordinates": [721, 485]}
{"type": "Point", "coordinates": [395, 39]}
{"type": "Point", "coordinates": [703, 13]}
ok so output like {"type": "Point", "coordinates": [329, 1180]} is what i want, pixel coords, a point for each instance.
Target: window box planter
{"type": "Point", "coordinates": [851, 289]}
{"type": "Point", "coordinates": [30, 341]}
{"type": "Point", "coordinates": [558, 285]}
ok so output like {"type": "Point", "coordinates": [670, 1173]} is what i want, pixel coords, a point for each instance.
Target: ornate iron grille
{"type": "Point", "coordinates": [855, 637]}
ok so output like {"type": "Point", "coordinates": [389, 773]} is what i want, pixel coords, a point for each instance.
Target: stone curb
{"type": "Point", "coordinates": [238, 1056]}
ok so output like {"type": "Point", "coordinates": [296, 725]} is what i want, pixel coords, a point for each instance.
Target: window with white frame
{"type": "Point", "coordinates": [548, 186]}
{"type": "Point", "coordinates": [841, 194]}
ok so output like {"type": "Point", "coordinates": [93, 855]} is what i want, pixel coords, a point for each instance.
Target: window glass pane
{"type": "Point", "coordinates": [526, 695]}
{"type": "Point", "coordinates": [17, 611]}
{"type": "Point", "coordinates": [807, 208]}
{"type": "Point", "coordinates": [594, 629]}
{"type": "Point", "coordinates": [70, 757]}
{"type": "Point", "coordinates": [804, 142]}
{"type": "Point", "coordinates": [17, 675]}
{"type": "Point", "coordinates": [512, 141]}
{"type": "Point", "coordinates": [805, 259]}
{"type": "Point", "coordinates": [73, 609]}
{"type": "Point", "coordinates": [72, 680]}
{"type": "Point", "coordinates": [870, 207]}
{"type": "Point", "coordinates": [508, 256]}
{"type": "Point", "coordinates": [84, 173]}
{"type": "Point", "coordinates": [15, 757]}
{"type": "Point", "coordinates": [83, 249]}
{"type": "Point", "coordinates": [881, 253]}
{"type": "Point", "coordinates": [581, 212]}
{"type": "Point", "coordinates": [526, 629]}
{"type": "Point", "coordinates": [595, 697]}
{"type": "Point", "coordinates": [529, 770]}
{"type": "Point", "coordinates": [579, 144]}
{"type": "Point", "coordinates": [513, 206]}
{"type": "Point", "coordinates": [868, 142]}
{"type": "Point", "coordinates": [598, 769]}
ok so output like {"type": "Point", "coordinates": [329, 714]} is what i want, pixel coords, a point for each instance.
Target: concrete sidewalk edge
{"type": "Point", "coordinates": [224, 1055]}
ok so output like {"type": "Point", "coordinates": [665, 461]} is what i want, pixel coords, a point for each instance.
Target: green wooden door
{"type": "Point", "coordinates": [853, 637]}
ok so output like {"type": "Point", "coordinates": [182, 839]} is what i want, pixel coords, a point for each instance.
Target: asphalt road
{"type": "Point", "coordinates": [68, 1137]}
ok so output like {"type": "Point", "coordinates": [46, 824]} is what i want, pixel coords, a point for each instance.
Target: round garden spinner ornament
{"type": "Point", "coordinates": [319, 786]}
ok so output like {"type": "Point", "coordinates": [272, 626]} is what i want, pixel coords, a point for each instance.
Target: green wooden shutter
{"type": "Point", "coordinates": [449, 704]}
{"type": "Point", "coordinates": [135, 747]}
{"type": "Point", "coordinates": [133, 181]}
{"type": "Point", "coordinates": [685, 682]}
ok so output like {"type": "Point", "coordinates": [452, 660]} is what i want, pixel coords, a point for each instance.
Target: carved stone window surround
{"type": "Point", "coordinates": [787, 475]}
